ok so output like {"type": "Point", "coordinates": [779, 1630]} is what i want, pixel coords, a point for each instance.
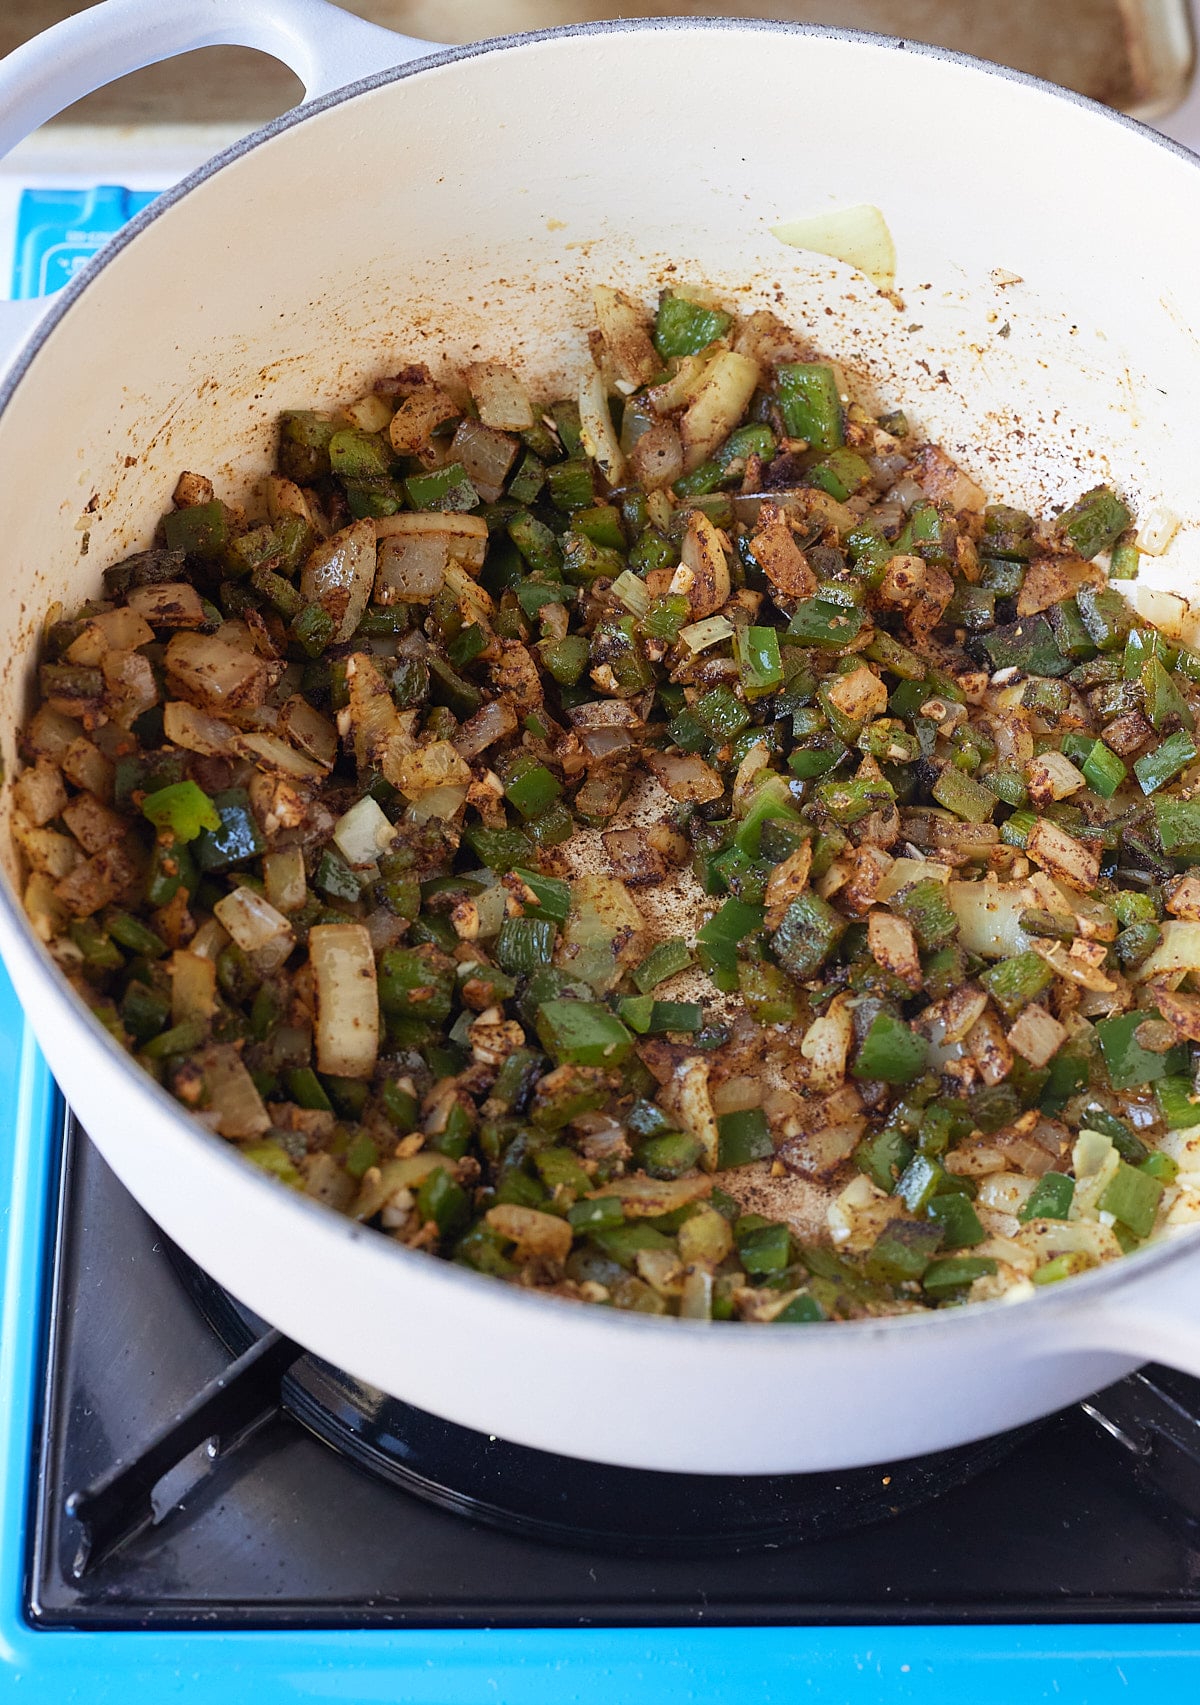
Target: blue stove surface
{"type": "Point", "coordinates": [931, 1665]}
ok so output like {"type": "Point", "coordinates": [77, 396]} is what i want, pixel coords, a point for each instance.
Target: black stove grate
{"type": "Point", "coordinates": [286, 1533]}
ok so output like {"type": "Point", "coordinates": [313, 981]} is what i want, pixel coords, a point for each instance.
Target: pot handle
{"type": "Point", "coordinates": [325, 46]}
{"type": "Point", "coordinates": [1151, 1317]}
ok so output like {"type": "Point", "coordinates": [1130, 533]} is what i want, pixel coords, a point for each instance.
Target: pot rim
{"type": "Point", "coordinates": [1050, 1302]}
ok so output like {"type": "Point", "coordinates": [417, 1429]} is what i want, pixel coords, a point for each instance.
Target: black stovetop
{"type": "Point", "coordinates": [1064, 1524]}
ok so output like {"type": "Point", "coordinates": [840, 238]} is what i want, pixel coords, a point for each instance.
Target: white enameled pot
{"type": "Point", "coordinates": [452, 204]}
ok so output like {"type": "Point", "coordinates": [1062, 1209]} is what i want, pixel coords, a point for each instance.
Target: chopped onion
{"type": "Point", "coordinates": [284, 879]}
{"type": "Point", "coordinates": [340, 575]}
{"type": "Point", "coordinates": [602, 743]}
{"type": "Point", "coordinates": [195, 730]}
{"type": "Point", "coordinates": [170, 604]}
{"type": "Point", "coordinates": [537, 1236]}
{"type": "Point", "coordinates": [193, 987]}
{"type": "Point", "coordinates": [233, 1100]}
{"type": "Point", "coordinates": [410, 568]}
{"type": "Point", "coordinates": [305, 727]}
{"type": "Point", "coordinates": [486, 456]}
{"type": "Point", "coordinates": [826, 1045]}
{"type": "Point", "coordinates": [703, 571]}
{"type": "Point", "coordinates": [499, 397]}
{"type": "Point", "coordinates": [647, 1198]}
{"type": "Point", "coordinates": [1156, 530]}
{"type": "Point", "coordinates": [443, 802]}
{"type": "Point", "coordinates": [1179, 950]}
{"type": "Point", "coordinates": [474, 600]}
{"type": "Point", "coordinates": [736, 1094]}
{"type": "Point", "coordinates": [370, 413]}
{"type": "Point", "coordinates": [347, 1000]}
{"type": "Point", "coordinates": [729, 383]}
{"type": "Point", "coordinates": [494, 721]}
{"type": "Point", "coordinates": [698, 636]}
{"type": "Point", "coordinates": [44, 909]}
{"type": "Point", "coordinates": [604, 713]}
{"type": "Point", "coordinates": [857, 235]}
{"type": "Point", "coordinates": [432, 767]}
{"type": "Point", "coordinates": [492, 908]}
{"type": "Point", "coordinates": [51, 733]}
{"type": "Point", "coordinates": [222, 670]}
{"type": "Point", "coordinates": [596, 427]}
{"type": "Point", "coordinates": [626, 338]}
{"type": "Point", "coordinates": [269, 752]}
{"type": "Point", "coordinates": [263, 934]}
{"type": "Point", "coordinates": [818, 1153]}
{"type": "Point", "coordinates": [906, 492]}
{"type": "Point", "coordinates": [632, 592]}
{"type": "Point", "coordinates": [1052, 776]}
{"type": "Point", "coordinates": [113, 630]}
{"type": "Point", "coordinates": [685, 776]}
{"type": "Point", "coordinates": [464, 536]}
{"type": "Point", "coordinates": [905, 870]}
{"type": "Point", "coordinates": [989, 917]}
{"type": "Point", "coordinates": [209, 939]}
{"type": "Point", "coordinates": [363, 833]}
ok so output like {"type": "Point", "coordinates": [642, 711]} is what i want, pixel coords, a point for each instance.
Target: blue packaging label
{"type": "Point", "coordinates": [59, 229]}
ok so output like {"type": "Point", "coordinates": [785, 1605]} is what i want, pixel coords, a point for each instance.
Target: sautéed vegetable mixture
{"type": "Point", "coordinates": [678, 847]}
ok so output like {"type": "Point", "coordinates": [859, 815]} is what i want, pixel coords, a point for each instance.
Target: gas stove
{"type": "Point", "coordinates": [340, 1545]}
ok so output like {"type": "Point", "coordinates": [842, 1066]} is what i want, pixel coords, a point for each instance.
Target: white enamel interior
{"type": "Point", "coordinates": [1048, 258]}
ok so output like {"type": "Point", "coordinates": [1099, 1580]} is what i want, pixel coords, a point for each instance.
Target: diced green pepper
{"type": "Point", "coordinates": [1178, 1102]}
{"type": "Point", "coordinates": [926, 907]}
{"type": "Point", "coordinates": [183, 808]}
{"type": "Point", "coordinates": [963, 795]}
{"type": "Point", "coordinates": [416, 982]}
{"type": "Point", "coordinates": [201, 530]}
{"type": "Point", "coordinates": [1178, 824]}
{"type": "Point", "coordinates": [1095, 521]}
{"type": "Point", "coordinates": [443, 1200]}
{"type": "Point", "coordinates": [891, 1051]}
{"type": "Point", "coordinates": [600, 1213]}
{"type": "Point", "coordinates": [1013, 983]}
{"type": "Point", "coordinates": [1094, 1117]}
{"type": "Point", "coordinates": [1168, 759]}
{"type": "Point", "coordinates": [902, 1251]}
{"type": "Point", "coordinates": [1103, 770]}
{"type": "Point", "coordinates": [236, 840]}
{"type": "Point", "coordinates": [1028, 644]}
{"type": "Point", "coordinates": [133, 934]}
{"type": "Point", "coordinates": [961, 1228]}
{"type": "Point", "coordinates": [1129, 1064]}
{"type": "Point", "coordinates": [951, 1273]}
{"type": "Point", "coordinates": [582, 1033]}
{"type": "Point", "coordinates": [685, 328]}
{"type": "Point", "coordinates": [762, 1248]}
{"type": "Point", "coordinates": [816, 621]}
{"type": "Point", "coordinates": [807, 935]}
{"type": "Point", "coordinates": [525, 943]}
{"type": "Point", "coordinates": [446, 488]}
{"type": "Point", "coordinates": [663, 960]}
{"type": "Point", "coordinates": [810, 404]}
{"type": "Point", "coordinates": [920, 1182]}
{"type": "Point", "coordinates": [669, 1156]}
{"type": "Point", "coordinates": [1050, 1198]}
{"type": "Point", "coordinates": [743, 1137]}
{"type": "Point", "coordinates": [1132, 1197]}
{"type": "Point", "coordinates": [759, 661]}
